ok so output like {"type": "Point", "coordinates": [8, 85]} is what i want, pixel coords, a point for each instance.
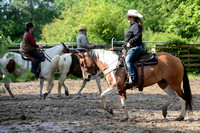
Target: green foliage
{"type": "Point", "coordinates": [103, 18]}
{"type": "Point", "coordinates": [17, 13]}
{"type": "Point", "coordinates": [168, 37]}
{"type": "Point", "coordinates": [102, 21]}
{"type": "Point", "coordinates": [186, 19]}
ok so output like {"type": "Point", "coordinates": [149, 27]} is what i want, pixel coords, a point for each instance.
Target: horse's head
{"type": "Point", "coordinates": [65, 48]}
{"type": "Point", "coordinates": [86, 64]}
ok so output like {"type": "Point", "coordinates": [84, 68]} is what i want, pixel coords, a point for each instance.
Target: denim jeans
{"type": "Point", "coordinates": [38, 58]}
{"type": "Point", "coordinates": [132, 54]}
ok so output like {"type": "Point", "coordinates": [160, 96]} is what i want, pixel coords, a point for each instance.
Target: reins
{"type": "Point", "coordinates": [47, 56]}
{"type": "Point", "coordinates": [100, 72]}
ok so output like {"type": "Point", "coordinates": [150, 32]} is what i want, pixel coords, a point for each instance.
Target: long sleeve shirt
{"type": "Point", "coordinates": [29, 42]}
{"type": "Point", "coordinates": [83, 42]}
{"type": "Point", "coordinates": [134, 35]}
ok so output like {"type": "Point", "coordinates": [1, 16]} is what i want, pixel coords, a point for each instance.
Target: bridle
{"type": "Point", "coordinates": [84, 65]}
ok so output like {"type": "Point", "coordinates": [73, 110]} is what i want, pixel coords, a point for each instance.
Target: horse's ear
{"type": "Point", "coordinates": [65, 48]}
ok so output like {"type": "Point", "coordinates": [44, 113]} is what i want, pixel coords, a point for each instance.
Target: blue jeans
{"type": "Point", "coordinates": [132, 54]}
{"type": "Point", "coordinates": [38, 58]}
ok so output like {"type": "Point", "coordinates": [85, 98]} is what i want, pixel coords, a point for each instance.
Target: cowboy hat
{"type": "Point", "coordinates": [83, 28]}
{"type": "Point", "coordinates": [29, 25]}
{"type": "Point", "coordinates": [133, 13]}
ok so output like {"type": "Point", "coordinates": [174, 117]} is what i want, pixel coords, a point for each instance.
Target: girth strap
{"type": "Point", "coordinates": [141, 84]}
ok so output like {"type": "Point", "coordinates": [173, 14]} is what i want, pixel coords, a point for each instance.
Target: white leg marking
{"type": "Point", "coordinates": [109, 91]}
{"type": "Point", "coordinates": [124, 106]}
{"type": "Point", "coordinates": [172, 96]}
{"type": "Point", "coordinates": [183, 106]}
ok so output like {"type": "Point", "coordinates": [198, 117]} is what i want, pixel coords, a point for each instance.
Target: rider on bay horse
{"type": "Point", "coordinates": [30, 46]}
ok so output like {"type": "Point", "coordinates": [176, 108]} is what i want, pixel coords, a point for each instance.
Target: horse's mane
{"type": "Point", "coordinates": [108, 57]}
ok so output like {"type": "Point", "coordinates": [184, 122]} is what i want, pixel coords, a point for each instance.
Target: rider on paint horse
{"type": "Point", "coordinates": [133, 41]}
{"type": "Point", "coordinates": [30, 46]}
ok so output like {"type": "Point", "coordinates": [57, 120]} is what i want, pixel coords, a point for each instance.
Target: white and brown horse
{"type": "Point", "coordinates": [67, 64]}
{"type": "Point", "coordinates": [10, 60]}
{"type": "Point", "coordinates": [168, 74]}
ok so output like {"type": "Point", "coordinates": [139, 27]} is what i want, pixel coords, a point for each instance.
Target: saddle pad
{"type": "Point", "coordinates": [147, 59]}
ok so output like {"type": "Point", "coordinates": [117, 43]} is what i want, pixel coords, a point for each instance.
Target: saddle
{"type": "Point", "coordinates": [147, 59]}
{"type": "Point", "coordinates": [144, 59]}
{"type": "Point", "coordinates": [26, 56]}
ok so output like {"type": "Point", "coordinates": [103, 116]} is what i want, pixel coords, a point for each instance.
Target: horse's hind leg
{"type": "Point", "coordinates": [61, 83]}
{"type": "Point", "coordinates": [172, 96]}
{"type": "Point", "coordinates": [178, 90]}
{"type": "Point", "coordinates": [49, 88]}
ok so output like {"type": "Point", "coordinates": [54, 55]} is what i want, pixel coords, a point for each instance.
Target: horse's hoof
{"type": "Point", "coordinates": [180, 118]}
{"type": "Point", "coordinates": [110, 111]}
{"type": "Point", "coordinates": [59, 96]}
{"type": "Point", "coordinates": [66, 93]}
{"type": "Point", "coordinates": [164, 114]}
{"type": "Point", "coordinates": [13, 97]}
{"type": "Point", "coordinates": [45, 95]}
{"type": "Point", "coordinates": [123, 120]}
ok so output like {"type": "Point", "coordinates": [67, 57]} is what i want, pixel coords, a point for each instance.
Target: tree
{"type": "Point", "coordinates": [186, 19]}
{"type": "Point", "coordinates": [16, 13]}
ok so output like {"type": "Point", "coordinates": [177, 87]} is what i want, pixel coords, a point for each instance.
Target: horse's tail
{"type": "Point", "coordinates": [187, 91]}
{"type": "Point", "coordinates": [53, 67]}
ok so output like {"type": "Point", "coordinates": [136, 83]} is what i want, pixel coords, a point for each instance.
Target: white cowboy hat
{"type": "Point", "coordinates": [133, 13]}
{"type": "Point", "coordinates": [83, 28]}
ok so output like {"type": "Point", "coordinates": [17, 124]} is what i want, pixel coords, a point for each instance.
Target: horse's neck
{"type": "Point", "coordinates": [102, 66]}
{"type": "Point", "coordinates": [53, 51]}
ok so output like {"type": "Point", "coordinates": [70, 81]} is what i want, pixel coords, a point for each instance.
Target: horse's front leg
{"type": "Point", "coordinates": [124, 104]}
{"type": "Point", "coordinates": [7, 85]}
{"type": "Point", "coordinates": [108, 91]}
{"type": "Point", "coordinates": [66, 90]}
{"type": "Point", "coordinates": [98, 79]}
{"type": "Point", "coordinates": [41, 86]}
{"type": "Point", "coordinates": [82, 86]}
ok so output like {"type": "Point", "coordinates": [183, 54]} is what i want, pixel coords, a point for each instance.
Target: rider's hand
{"type": "Point", "coordinates": [93, 45]}
{"type": "Point", "coordinates": [128, 45]}
{"type": "Point", "coordinates": [40, 47]}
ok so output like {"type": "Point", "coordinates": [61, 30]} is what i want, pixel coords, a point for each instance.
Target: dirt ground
{"type": "Point", "coordinates": [29, 113]}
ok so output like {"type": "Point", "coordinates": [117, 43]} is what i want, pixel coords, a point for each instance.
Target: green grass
{"type": "Point", "coordinates": [193, 74]}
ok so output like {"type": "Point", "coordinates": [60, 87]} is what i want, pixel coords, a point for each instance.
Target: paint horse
{"type": "Point", "coordinates": [168, 73]}
{"type": "Point", "coordinates": [67, 64]}
{"type": "Point", "coordinates": [10, 60]}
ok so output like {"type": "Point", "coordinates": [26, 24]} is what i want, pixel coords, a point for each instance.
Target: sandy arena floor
{"type": "Point", "coordinates": [28, 113]}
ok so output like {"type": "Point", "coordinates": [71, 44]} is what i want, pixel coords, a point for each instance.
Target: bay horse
{"type": "Point", "coordinates": [168, 73]}
{"type": "Point", "coordinates": [10, 60]}
{"type": "Point", "coordinates": [67, 64]}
